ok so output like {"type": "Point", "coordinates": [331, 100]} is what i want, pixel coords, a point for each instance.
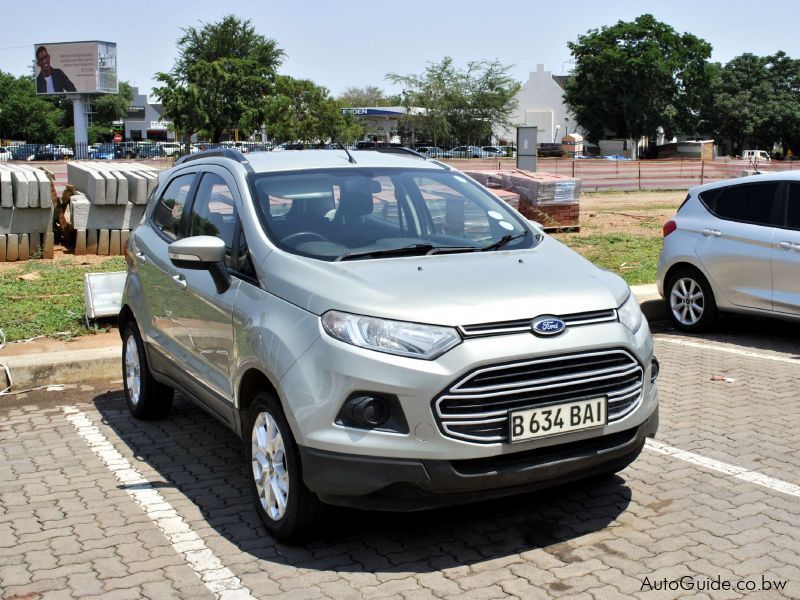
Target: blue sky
{"type": "Point", "coordinates": [339, 44]}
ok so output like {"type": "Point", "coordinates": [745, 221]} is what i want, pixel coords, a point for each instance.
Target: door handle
{"type": "Point", "coordinates": [711, 232]}
{"type": "Point", "coordinates": [140, 256]}
{"type": "Point", "coordinates": [785, 245]}
{"type": "Point", "coordinates": [180, 281]}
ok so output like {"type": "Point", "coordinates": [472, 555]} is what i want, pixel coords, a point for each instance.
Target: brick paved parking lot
{"type": "Point", "coordinates": [93, 503]}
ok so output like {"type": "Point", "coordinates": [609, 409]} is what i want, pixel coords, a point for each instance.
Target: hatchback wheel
{"type": "Point", "coordinates": [691, 301]}
{"type": "Point", "coordinates": [146, 398]}
{"type": "Point", "coordinates": [288, 509]}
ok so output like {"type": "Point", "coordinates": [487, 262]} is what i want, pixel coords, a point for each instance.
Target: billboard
{"type": "Point", "coordinates": [76, 68]}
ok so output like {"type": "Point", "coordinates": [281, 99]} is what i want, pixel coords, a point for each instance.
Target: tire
{"type": "Point", "coordinates": [147, 399]}
{"type": "Point", "coordinates": [690, 301]}
{"type": "Point", "coordinates": [291, 515]}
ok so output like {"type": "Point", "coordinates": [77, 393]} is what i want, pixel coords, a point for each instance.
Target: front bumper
{"type": "Point", "coordinates": [406, 485]}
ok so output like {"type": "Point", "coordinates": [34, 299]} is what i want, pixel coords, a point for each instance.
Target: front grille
{"type": "Point", "coordinates": [476, 407]}
{"type": "Point", "coordinates": [524, 325]}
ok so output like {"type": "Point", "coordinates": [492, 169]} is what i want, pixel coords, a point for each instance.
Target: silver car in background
{"type": "Point", "coordinates": [381, 331]}
{"type": "Point", "coordinates": [733, 246]}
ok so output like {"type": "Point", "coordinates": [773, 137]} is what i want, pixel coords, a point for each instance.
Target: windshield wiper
{"type": "Point", "coordinates": [410, 250]}
{"type": "Point", "coordinates": [506, 239]}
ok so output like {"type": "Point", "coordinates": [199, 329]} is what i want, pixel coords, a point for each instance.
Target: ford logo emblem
{"type": "Point", "coordinates": [548, 326]}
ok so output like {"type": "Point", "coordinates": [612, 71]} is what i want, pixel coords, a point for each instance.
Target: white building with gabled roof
{"type": "Point", "coordinates": [540, 103]}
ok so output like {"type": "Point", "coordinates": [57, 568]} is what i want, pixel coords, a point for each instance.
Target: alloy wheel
{"type": "Point", "coordinates": [269, 466]}
{"type": "Point", "coordinates": [687, 301]}
{"type": "Point", "coordinates": [133, 370]}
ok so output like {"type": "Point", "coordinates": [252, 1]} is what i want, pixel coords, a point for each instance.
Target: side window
{"type": "Point", "coordinates": [793, 210]}
{"type": "Point", "coordinates": [168, 211]}
{"type": "Point", "coordinates": [214, 212]}
{"type": "Point", "coordinates": [747, 203]}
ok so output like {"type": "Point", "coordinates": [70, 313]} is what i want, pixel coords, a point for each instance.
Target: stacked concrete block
{"type": "Point", "coordinates": [26, 213]}
{"type": "Point", "coordinates": [111, 201]}
{"type": "Point", "coordinates": [552, 200]}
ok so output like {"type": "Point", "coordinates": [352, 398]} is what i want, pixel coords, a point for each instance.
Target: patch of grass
{"type": "Point", "coordinates": [633, 257]}
{"type": "Point", "coordinates": [50, 300]}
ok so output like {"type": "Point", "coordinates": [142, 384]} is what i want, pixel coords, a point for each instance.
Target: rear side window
{"type": "Point", "coordinates": [751, 203]}
{"type": "Point", "coordinates": [793, 209]}
{"type": "Point", "coordinates": [168, 211]}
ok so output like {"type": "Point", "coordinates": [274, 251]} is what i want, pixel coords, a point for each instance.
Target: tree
{"type": "Point", "coordinates": [631, 78]}
{"type": "Point", "coordinates": [463, 103]}
{"type": "Point", "coordinates": [113, 107]}
{"type": "Point", "coordinates": [369, 95]}
{"type": "Point", "coordinates": [23, 114]}
{"type": "Point", "coordinates": [755, 101]}
{"type": "Point", "coordinates": [300, 110]}
{"type": "Point", "coordinates": [223, 74]}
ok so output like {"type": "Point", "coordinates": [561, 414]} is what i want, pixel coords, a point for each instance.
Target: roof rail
{"type": "Point", "coordinates": [394, 150]}
{"type": "Point", "coordinates": [221, 153]}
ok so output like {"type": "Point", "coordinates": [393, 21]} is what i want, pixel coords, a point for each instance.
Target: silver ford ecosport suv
{"type": "Point", "coordinates": [381, 331]}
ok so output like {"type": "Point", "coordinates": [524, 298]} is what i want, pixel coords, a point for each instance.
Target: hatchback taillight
{"type": "Point", "coordinates": [669, 227]}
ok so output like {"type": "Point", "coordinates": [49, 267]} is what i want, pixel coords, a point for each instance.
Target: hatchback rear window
{"type": "Point", "coordinates": [749, 203]}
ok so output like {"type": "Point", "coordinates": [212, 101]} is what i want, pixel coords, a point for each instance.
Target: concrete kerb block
{"type": "Point", "coordinates": [111, 182]}
{"type": "Point", "coordinates": [85, 216]}
{"type": "Point", "coordinates": [137, 185]}
{"type": "Point", "coordinates": [6, 188]}
{"type": "Point", "coordinates": [43, 185]}
{"type": "Point", "coordinates": [88, 181]}
{"type": "Point", "coordinates": [26, 220]}
{"type": "Point", "coordinates": [19, 180]}
{"type": "Point", "coordinates": [149, 173]}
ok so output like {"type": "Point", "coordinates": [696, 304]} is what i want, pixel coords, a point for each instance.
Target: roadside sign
{"type": "Point", "coordinates": [117, 138]}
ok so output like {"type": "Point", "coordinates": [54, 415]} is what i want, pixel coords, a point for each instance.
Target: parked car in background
{"type": "Point", "coordinates": [22, 151]}
{"type": "Point", "coordinates": [336, 327]}
{"type": "Point", "coordinates": [755, 155]}
{"type": "Point", "coordinates": [434, 152]}
{"type": "Point", "coordinates": [733, 246]}
{"type": "Point", "coordinates": [149, 151]}
{"type": "Point", "coordinates": [5, 154]}
{"type": "Point", "coordinates": [469, 152]}
{"type": "Point", "coordinates": [106, 152]}
{"type": "Point", "coordinates": [50, 152]}
{"type": "Point", "coordinates": [493, 151]}
{"type": "Point", "coordinates": [171, 148]}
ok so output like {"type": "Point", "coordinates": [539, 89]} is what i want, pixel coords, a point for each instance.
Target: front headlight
{"type": "Point", "coordinates": [393, 337]}
{"type": "Point", "coordinates": [630, 314]}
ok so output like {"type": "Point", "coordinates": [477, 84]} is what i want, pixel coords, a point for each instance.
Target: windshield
{"type": "Point", "coordinates": [338, 214]}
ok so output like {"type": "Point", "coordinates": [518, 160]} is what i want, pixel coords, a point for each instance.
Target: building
{"type": "Point", "coordinates": [385, 123]}
{"type": "Point", "coordinates": [540, 103]}
{"type": "Point", "coordinates": [144, 121]}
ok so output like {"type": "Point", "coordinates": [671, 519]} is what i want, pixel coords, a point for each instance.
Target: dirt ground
{"type": "Point", "coordinates": [59, 253]}
{"type": "Point", "coordinates": [638, 213]}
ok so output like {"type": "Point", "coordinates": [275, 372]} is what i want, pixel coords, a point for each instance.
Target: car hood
{"type": "Point", "coordinates": [448, 289]}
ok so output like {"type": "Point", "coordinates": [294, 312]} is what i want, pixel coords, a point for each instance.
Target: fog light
{"type": "Point", "coordinates": [655, 367]}
{"type": "Point", "coordinates": [367, 410]}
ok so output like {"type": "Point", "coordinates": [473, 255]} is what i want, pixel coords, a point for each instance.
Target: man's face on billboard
{"type": "Point", "coordinates": [43, 60]}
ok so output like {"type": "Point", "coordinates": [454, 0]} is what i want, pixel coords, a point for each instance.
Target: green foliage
{"type": "Point", "coordinates": [300, 110]}
{"type": "Point", "coordinates": [369, 95]}
{"type": "Point", "coordinates": [466, 104]}
{"type": "Point", "coordinates": [50, 304]}
{"type": "Point", "coordinates": [755, 101]}
{"type": "Point", "coordinates": [631, 78]}
{"type": "Point", "coordinates": [221, 79]}
{"type": "Point", "coordinates": [23, 114]}
{"type": "Point", "coordinates": [112, 107]}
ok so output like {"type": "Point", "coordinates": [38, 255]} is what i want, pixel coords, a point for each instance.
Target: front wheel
{"type": "Point", "coordinates": [691, 301]}
{"type": "Point", "coordinates": [288, 509]}
{"type": "Point", "coordinates": [146, 398]}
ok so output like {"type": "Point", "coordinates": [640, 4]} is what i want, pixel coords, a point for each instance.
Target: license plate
{"type": "Point", "coordinates": [555, 419]}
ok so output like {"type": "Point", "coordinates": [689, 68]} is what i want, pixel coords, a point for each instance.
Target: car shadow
{"type": "Point", "coordinates": [196, 457]}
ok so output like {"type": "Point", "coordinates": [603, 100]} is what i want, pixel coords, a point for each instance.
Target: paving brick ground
{"type": "Point", "coordinates": [69, 530]}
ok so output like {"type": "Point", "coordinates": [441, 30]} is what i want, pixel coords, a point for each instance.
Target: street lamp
{"type": "Point", "coordinates": [555, 133]}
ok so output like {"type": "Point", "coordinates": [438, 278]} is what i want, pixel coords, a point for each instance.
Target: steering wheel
{"type": "Point", "coordinates": [303, 236]}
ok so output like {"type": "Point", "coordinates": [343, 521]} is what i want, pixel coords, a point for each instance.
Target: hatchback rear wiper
{"type": "Point", "coordinates": [503, 241]}
{"type": "Point", "coordinates": [410, 250]}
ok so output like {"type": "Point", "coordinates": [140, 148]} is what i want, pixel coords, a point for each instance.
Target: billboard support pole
{"type": "Point", "coordinates": [80, 105]}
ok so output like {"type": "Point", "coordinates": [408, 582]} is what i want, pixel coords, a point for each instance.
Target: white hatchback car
{"type": "Point", "coordinates": [733, 246]}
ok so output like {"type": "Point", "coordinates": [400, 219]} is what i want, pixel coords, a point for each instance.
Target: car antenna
{"type": "Point", "coordinates": [349, 156]}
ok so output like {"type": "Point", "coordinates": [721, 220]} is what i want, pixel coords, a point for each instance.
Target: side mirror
{"type": "Point", "coordinates": [201, 253]}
